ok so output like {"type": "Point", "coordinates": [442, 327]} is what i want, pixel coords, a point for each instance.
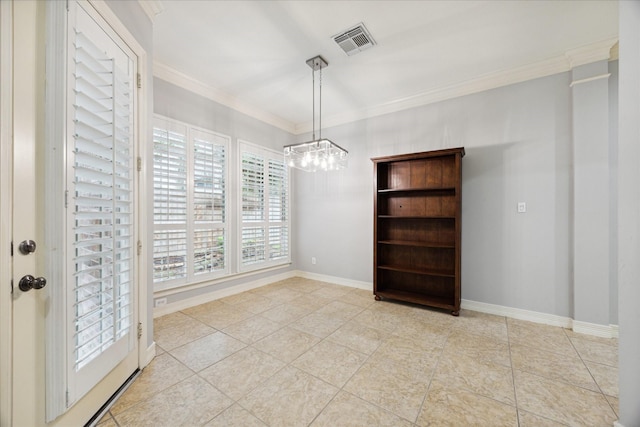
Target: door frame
{"type": "Point", "coordinates": [6, 223]}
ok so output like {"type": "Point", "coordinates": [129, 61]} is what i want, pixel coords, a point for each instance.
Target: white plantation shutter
{"type": "Point", "coordinates": [278, 210]}
{"type": "Point", "coordinates": [100, 205]}
{"type": "Point", "coordinates": [253, 191]}
{"type": "Point", "coordinates": [190, 204]}
{"type": "Point", "coordinates": [209, 202]}
{"type": "Point", "coordinates": [169, 203]}
{"type": "Point", "coordinates": [264, 229]}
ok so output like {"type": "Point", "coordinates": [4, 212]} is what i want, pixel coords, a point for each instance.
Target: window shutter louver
{"type": "Point", "coordinates": [169, 204]}
{"type": "Point", "coordinates": [265, 208]}
{"type": "Point", "coordinates": [209, 202]}
{"type": "Point", "coordinates": [102, 197]}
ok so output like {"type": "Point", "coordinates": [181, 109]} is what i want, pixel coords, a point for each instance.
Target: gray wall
{"type": "Point", "coordinates": [518, 142]}
{"type": "Point", "coordinates": [629, 214]}
{"type": "Point", "coordinates": [179, 104]}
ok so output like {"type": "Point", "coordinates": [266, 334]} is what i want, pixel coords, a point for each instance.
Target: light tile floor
{"type": "Point", "coordinates": [302, 352]}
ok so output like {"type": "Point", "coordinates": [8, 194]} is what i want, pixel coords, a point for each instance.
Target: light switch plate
{"type": "Point", "coordinates": [522, 207]}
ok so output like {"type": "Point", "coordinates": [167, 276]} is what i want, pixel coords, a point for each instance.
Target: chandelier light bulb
{"type": "Point", "coordinates": [319, 153]}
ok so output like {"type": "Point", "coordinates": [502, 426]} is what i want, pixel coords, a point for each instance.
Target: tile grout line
{"type": "Point", "coordinates": [513, 373]}
{"type": "Point", "coordinates": [604, 396]}
{"type": "Point", "coordinates": [433, 373]}
{"type": "Point", "coordinates": [367, 359]}
{"type": "Point", "coordinates": [286, 364]}
{"type": "Point", "coordinates": [341, 389]}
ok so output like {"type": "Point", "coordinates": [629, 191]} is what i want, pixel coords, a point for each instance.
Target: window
{"type": "Point", "coordinates": [190, 204]}
{"type": "Point", "coordinates": [264, 225]}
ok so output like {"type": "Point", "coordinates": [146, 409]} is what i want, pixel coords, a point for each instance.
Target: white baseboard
{"type": "Point", "coordinates": [221, 293]}
{"type": "Point", "coordinates": [517, 313]}
{"type": "Point", "coordinates": [335, 280]}
{"type": "Point", "coordinates": [617, 424]}
{"type": "Point", "coordinates": [610, 331]}
{"type": "Point", "coordinates": [615, 331]}
{"type": "Point", "coordinates": [605, 331]}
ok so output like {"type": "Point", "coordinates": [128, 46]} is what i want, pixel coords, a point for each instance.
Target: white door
{"type": "Point", "coordinates": [87, 312]}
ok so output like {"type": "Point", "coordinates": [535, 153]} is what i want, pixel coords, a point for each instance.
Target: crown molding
{"type": "Point", "coordinates": [602, 50]}
{"type": "Point", "coordinates": [184, 81]}
{"type": "Point", "coordinates": [615, 52]}
{"type": "Point", "coordinates": [151, 8]}
{"type": "Point", "coordinates": [598, 51]}
{"type": "Point", "coordinates": [483, 83]}
{"type": "Point", "coordinates": [559, 64]}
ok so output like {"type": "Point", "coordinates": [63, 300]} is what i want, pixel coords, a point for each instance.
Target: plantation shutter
{"type": "Point", "coordinates": [190, 204]}
{"type": "Point", "coordinates": [169, 203]}
{"type": "Point", "coordinates": [209, 202]}
{"type": "Point", "coordinates": [278, 210]}
{"type": "Point", "coordinates": [264, 231]}
{"type": "Point", "coordinates": [253, 209]}
{"type": "Point", "coordinates": [100, 205]}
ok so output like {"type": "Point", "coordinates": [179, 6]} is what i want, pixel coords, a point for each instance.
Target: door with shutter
{"type": "Point", "coordinates": [100, 248]}
{"type": "Point", "coordinates": [89, 199]}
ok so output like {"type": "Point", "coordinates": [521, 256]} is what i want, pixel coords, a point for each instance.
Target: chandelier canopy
{"type": "Point", "coordinates": [321, 153]}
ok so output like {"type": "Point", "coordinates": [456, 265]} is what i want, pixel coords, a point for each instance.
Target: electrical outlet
{"type": "Point", "coordinates": [522, 207]}
{"type": "Point", "coordinates": [313, 260]}
{"type": "Point", "coordinates": [159, 302]}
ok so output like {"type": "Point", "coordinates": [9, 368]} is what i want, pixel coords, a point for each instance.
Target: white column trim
{"type": "Point", "coordinates": [590, 79]}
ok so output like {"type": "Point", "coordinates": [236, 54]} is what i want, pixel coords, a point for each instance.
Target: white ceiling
{"type": "Point", "coordinates": [251, 54]}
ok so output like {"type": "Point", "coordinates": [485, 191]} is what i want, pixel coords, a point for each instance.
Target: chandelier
{"type": "Point", "coordinates": [321, 153]}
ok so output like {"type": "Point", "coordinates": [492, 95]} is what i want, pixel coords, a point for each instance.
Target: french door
{"type": "Point", "coordinates": [74, 187]}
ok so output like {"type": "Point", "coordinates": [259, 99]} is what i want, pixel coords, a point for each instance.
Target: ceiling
{"type": "Point", "coordinates": [251, 55]}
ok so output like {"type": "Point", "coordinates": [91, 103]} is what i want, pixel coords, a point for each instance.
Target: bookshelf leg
{"type": "Point", "coordinates": [377, 298]}
{"type": "Point", "coordinates": [455, 313]}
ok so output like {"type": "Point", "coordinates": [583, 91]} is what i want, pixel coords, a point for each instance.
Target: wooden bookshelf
{"type": "Point", "coordinates": [417, 228]}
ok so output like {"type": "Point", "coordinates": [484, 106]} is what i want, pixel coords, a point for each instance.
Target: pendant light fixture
{"type": "Point", "coordinates": [319, 154]}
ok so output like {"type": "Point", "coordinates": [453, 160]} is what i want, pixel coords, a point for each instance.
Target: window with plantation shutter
{"type": "Point", "coordinates": [264, 229]}
{"type": "Point", "coordinates": [190, 204]}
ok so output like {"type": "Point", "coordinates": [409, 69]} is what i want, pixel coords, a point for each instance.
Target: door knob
{"type": "Point", "coordinates": [29, 282]}
{"type": "Point", "coordinates": [27, 246]}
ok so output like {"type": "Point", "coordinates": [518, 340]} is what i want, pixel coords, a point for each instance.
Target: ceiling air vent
{"type": "Point", "coordinates": [354, 40]}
